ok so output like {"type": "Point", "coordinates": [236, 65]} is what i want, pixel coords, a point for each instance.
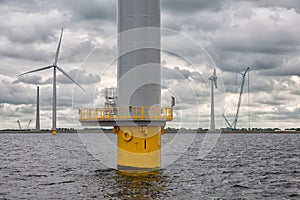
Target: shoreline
{"type": "Point", "coordinates": [166, 131]}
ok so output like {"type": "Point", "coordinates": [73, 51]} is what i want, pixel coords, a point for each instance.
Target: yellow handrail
{"type": "Point", "coordinates": [125, 113]}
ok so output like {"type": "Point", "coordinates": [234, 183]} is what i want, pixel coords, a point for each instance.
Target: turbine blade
{"type": "Point", "coordinates": [58, 48]}
{"type": "Point", "coordinates": [215, 74]}
{"type": "Point", "coordinates": [65, 73]}
{"type": "Point", "coordinates": [36, 70]}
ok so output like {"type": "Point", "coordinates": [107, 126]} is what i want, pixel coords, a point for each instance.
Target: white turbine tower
{"type": "Point", "coordinates": [37, 121]}
{"type": "Point", "coordinates": [54, 66]}
{"type": "Point", "coordinates": [213, 79]}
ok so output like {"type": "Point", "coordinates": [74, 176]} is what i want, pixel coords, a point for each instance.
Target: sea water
{"type": "Point", "coordinates": [240, 166]}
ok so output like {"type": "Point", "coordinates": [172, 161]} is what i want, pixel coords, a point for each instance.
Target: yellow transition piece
{"type": "Point", "coordinates": [139, 147]}
{"type": "Point", "coordinates": [53, 132]}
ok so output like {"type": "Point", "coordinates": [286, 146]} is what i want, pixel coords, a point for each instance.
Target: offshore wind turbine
{"type": "Point", "coordinates": [54, 66]}
{"type": "Point", "coordinates": [213, 80]}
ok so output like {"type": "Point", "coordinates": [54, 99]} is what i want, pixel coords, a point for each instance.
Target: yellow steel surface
{"type": "Point", "coordinates": [139, 147]}
{"type": "Point", "coordinates": [124, 113]}
{"type": "Point", "coordinates": [53, 132]}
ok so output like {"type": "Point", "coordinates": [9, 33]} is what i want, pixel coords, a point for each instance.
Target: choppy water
{"type": "Point", "coordinates": [241, 166]}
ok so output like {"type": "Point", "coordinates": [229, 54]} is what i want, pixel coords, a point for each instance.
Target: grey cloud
{"type": "Point", "coordinates": [176, 73]}
{"type": "Point", "coordinates": [93, 10]}
{"type": "Point", "coordinates": [77, 52]}
{"type": "Point", "coordinates": [178, 6]}
{"type": "Point", "coordinates": [81, 77]}
{"type": "Point", "coordinates": [14, 94]}
{"type": "Point", "coordinates": [297, 92]}
{"type": "Point", "coordinates": [23, 52]}
{"type": "Point", "coordinates": [289, 67]}
{"type": "Point", "coordinates": [20, 27]}
{"type": "Point", "coordinates": [261, 85]}
{"type": "Point", "coordinates": [9, 112]}
{"type": "Point", "coordinates": [289, 4]}
{"type": "Point", "coordinates": [266, 62]}
{"type": "Point", "coordinates": [24, 94]}
{"type": "Point", "coordinates": [259, 42]}
{"type": "Point", "coordinates": [254, 46]}
{"type": "Point", "coordinates": [188, 92]}
{"type": "Point", "coordinates": [238, 61]}
{"type": "Point", "coordinates": [64, 101]}
{"type": "Point", "coordinates": [188, 22]}
{"type": "Point", "coordinates": [281, 113]}
{"type": "Point", "coordinates": [232, 82]}
{"type": "Point", "coordinates": [32, 79]}
{"type": "Point", "coordinates": [22, 4]}
{"type": "Point", "coordinates": [270, 100]}
{"type": "Point", "coordinates": [25, 109]}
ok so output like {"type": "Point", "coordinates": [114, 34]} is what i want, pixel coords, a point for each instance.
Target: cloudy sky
{"type": "Point", "coordinates": [198, 35]}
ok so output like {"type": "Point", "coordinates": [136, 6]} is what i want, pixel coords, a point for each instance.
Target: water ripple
{"type": "Point", "coordinates": [241, 166]}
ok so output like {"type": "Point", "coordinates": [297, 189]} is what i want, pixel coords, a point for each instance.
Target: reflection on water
{"type": "Point", "coordinates": [129, 185]}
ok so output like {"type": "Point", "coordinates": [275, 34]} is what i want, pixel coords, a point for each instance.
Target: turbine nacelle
{"type": "Point", "coordinates": [214, 78]}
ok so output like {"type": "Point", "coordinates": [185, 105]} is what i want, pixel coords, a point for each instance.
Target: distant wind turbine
{"type": "Point", "coordinates": [54, 66]}
{"type": "Point", "coordinates": [37, 121]}
{"type": "Point", "coordinates": [213, 79]}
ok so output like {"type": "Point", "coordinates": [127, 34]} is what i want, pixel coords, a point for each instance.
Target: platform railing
{"type": "Point", "coordinates": [126, 113]}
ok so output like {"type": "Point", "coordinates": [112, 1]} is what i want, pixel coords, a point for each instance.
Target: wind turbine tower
{"type": "Point", "coordinates": [139, 119]}
{"type": "Point", "coordinates": [37, 121]}
{"type": "Point", "coordinates": [213, 80]}
{"type": "Point", "coordinates": [54, 66]}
